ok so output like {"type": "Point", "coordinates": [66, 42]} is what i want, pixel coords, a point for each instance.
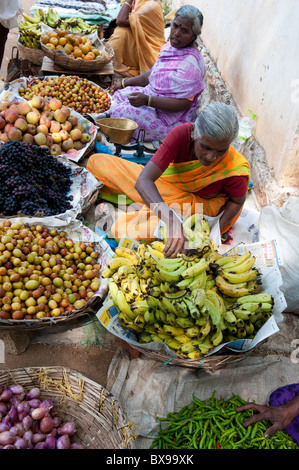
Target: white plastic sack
{"type": "Point", "coordinates": [283, 225]}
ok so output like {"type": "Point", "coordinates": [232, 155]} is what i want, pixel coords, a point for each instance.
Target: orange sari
{"type": "Point", "coordinates": [137, 47]}
{"type": "Point", "coordinates": [177, 186]}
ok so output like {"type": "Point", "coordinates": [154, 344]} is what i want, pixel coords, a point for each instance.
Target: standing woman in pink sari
{"type": "Point", "coordinates": [167, 95]}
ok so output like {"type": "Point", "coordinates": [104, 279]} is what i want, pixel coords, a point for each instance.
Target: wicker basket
{"type": "Point", "coordinates": [97, 415]}
{"type": "Point", "coordinates": [35, 56]}
{"type": "Point", "coordinates": [208, 363]}
{"type": "Point", "coordinates": [61, 59]}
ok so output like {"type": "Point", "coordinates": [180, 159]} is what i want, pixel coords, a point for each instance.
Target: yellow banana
{"type": "Point", "coordinates": [249, 306]}
{"type": "Point", "coordinates": [141, 250]}
{"type": "Point", "coordinates": [139, 306]}
{"type": "Point", "coordinates": [196, 269]}
{"type": "Point", "coordinates": [158, 245]}
{"type": "Point", "coordinates": [205, 329]}
{"type": "Point", "coordinates": [236, 260]}
{"type": "Point", "coordinates": [124, 252]}
{"type": "Point", "coordinates": [145, 338]}
{"type": "Point", "coordinates": [152, 302]}
{"type": "Point", "coordinates": [239, 268]}
{"type": "Point", "coordinates": [144, 273]}
{"type": "Point", "coordinates": [173, 330]}
{"type": "Point", "coordinates": [135, 287]}
{"type": "Point", "coordinates": [231, 290]}
{"type": "Point", "coordinates": [130, 325]}
{"type": "Point", "coordinates": [126, 284]}
{"type": "Point", "coordinates": [107, 273]}
{"type": "Point", "coordinates": [143, 286]}
{"type": "Point", "coordinates": [246, 276]}
{"type": "Point", "coordinates": [202, 321]}
{"type": "Point", "coordinates": [241, 333]}
{"type": "Point", "coordinates": [167, 305]}
{"type": "Point", "coordinates": [231, 328]}
{"type": "Point", "coordinates": [182, 339]}
{"type": "Point", "coordinates": [116, 263]}
{"type": "Point", "coordinates": [172, 344]}
{"type": "Point", "coordinates": [124, 270]}
{"type": "Point", "coordinates": [192, 331]}
{"type": "Point", "coordinates": [113, 289]}
{"type": "Point", "coordinates": [249, 327]}
{"type": "Point", "coordinates": [154, 252]}
{"type": "Point", "coordinates": [116, 278]}
{"type": "Point", "coordinates": [217, 337]}
{"type": "Point", "coordinates": [122, 304]}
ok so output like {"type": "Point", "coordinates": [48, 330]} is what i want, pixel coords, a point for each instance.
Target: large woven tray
{"type": "Point", "coordinates": [97, 415]}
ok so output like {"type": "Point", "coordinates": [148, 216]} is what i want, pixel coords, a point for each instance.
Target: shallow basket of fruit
{"type": "Point", "coordinates": [49, 272]}
{"type": "Point", "coordinates": [79, 94]}
{"type": "Point", "coordinates": [76, 52]}
{"type": "Point", "coordinates": [59, 408]}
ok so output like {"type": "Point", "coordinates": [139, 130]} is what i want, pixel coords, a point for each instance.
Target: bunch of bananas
{"type": "Point", "coordinates": [30, 28]}
{"type": "Point", "coordinates": [193, 302]}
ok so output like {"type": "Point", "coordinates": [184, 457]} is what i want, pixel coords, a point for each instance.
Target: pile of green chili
{"type": "Point", "coordinates": [215, 424]}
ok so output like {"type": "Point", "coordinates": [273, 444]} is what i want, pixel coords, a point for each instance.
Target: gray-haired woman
{"type": "Point", "coordinates": [196, 169]}
{"type": "Point", "coordinates": [168, 93]}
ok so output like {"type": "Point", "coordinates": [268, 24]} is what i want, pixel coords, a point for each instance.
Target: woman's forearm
{"type": "Point", "coordinates": [230, 210]}
{"type": "Point", "coordinates": [123, 16]}
{"type": "Point", "coordinates": [171, 105]}
{"type": "Point", "coordinates": [140, 80]}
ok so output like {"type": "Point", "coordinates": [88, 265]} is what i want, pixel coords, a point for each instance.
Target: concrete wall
{"type": "Point", "coordinates": [254, 44]}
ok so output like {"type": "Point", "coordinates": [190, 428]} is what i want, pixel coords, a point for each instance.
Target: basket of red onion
{"type": "Point", "coordinates": [58, 408]}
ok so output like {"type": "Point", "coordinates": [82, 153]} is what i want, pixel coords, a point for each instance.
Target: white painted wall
{"type": "Point", "coordinates": [255, 44]}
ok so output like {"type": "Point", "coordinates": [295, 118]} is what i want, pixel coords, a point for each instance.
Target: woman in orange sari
{"type": "Point", "coordinates": [138, 37]}
{"type": "Point", "coordinates": [196, 169]}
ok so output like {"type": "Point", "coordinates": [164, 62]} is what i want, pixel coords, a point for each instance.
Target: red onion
{"type": "Point", "coordinates": [56, 421]}
{"type": "Point", "coordinates": [16, 389]}
{"type": "Point", "coordinates": [41, 445]}
{"type": "Point", "coordinates": [38, 437]}
{"type": "Point", "coordinates": [15, 401]}
{"type": "Point", "coordinates": [6, 395]}
{"type": "Point", "coordinates": [74, 445]}
{"type": "Point", "coordinates": [27, 422]}
{"type": "Point", "coordinates": [50, 442]}
{"type": "Point", "coordinates": [46, 425]}
{"type": "Point", "coordinates": [63, 442]}
{"type": "Point", "coordinates": [23, 407]}
{"type": "Point", "coordinates": [17, 430]}
{"type": "Point", "coordinates": [34, 403]}
{"type": "Point", "coordinates": [20, 443]}
{"type": "Point", "coordinates": [39, 413]}
{"type": "Point", "coordinates": [47, 403]}
{"type": "Point", "coordinates": [28, 435]}
{"type": "Point", "coordinates": [13, 414]}
{"type": "Point", "coordinates": [4, 427]}
{"type": "Point", "coordinates": [33, 393]}
{"type": "Point", "coordinates": [7, 438]}
{"type": "Point", "coordinates": [68, 428]}
{"type": "Point", "coordinates": [9, 447]}
{"type": "Point", "coordinates": [54, 432]}
{"type": "Point", "coordinates": [3, 407]}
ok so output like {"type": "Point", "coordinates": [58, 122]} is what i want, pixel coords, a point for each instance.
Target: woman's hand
{"type": "Point", "coordinates": [138, 99]}
{"type": "Point", "coordinates": [177, 241]}
{"type": "Point", "coordinates": [280, 416]}
{"type": "Point", "coordinates": [115, 87]}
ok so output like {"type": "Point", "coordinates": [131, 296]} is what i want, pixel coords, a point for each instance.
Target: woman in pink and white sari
{"type": "Point", "coordinates": [167, 95]}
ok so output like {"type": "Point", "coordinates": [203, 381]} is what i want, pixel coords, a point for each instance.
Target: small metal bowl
{"type": "Point", "coordinates": [118, 130]}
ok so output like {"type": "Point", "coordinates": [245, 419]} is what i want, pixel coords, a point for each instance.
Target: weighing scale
{"type": "Point", "coordinates": [119, 132]}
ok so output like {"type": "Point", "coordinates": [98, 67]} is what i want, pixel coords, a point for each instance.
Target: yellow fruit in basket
{"type": "Point", "coordinates": [45, 39]}
{"type": "Point", "coordinates": [95, 51]}
{"type": "Point", "coordinates": [62, 41]}
{"type": "Point", "coordinates": [61, 32]}
{"type": "Point", "coordinates": [85, 48]}
{"type": "Point", "coordinates": [68, 48]}
{"type": "Point", "coordinates": [77, 52]}
{"type": "Point", "coordinates": [50, 45]}
{"type": "Point", "coordinates": [90, 56]}
{"type": "Point", "coordinates": [53, 40]}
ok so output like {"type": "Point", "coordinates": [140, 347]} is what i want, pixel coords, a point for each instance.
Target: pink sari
{"type": "Point", "coordinates": [178, 73]}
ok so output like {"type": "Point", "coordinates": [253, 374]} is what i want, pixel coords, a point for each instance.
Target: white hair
{"type": "Point", "coordinates": [218, 121]}
{"type": "Point", "coordinates": [193, 13]}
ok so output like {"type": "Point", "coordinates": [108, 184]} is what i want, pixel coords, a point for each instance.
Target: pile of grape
{"type": "Point", "coordinates": [33, 181]}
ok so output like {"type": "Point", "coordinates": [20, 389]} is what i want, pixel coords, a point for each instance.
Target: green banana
{"type": "Point", "coordinates": [167, 305]}
{"type": "Point", "coordinates": [217, 337]}
{"type": "Point", "coordinates": [145, 338]}
{"type": "Point", "coordinates": [243, 314]}
{"type": "Point", "coordinates": [199, 281]}
{"type": "Point", "coordinates": [196, 269]}
{"type": "Point", "coordinates": [193, 310]}
{"type": "Point", "coordinates": [181, 309]}
{"type": "Point", "coordinates": [149, 316]}
{"type": "Point", "coordinates": [175, 295]}
{"type": "Point", "coordinates": [198, 297]}
{"type": "Point", "coordinates": [263, 297]}
{"type": "Point", "coordinates": [230, 317]}
{"type": "Point", "coordinates": [213, 312]}
{"type": "Point", "coordinates": [184, 322]}
{"type": "Point", "coordinates": [173, 276]}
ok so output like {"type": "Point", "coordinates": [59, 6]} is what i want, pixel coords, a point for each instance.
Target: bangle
{"type": "Point", "coordinates": [126, 3]}
{"type": "Point", "coordinates": [123, 82]}
{"type": "Point", "coordinates": [149, 100]}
